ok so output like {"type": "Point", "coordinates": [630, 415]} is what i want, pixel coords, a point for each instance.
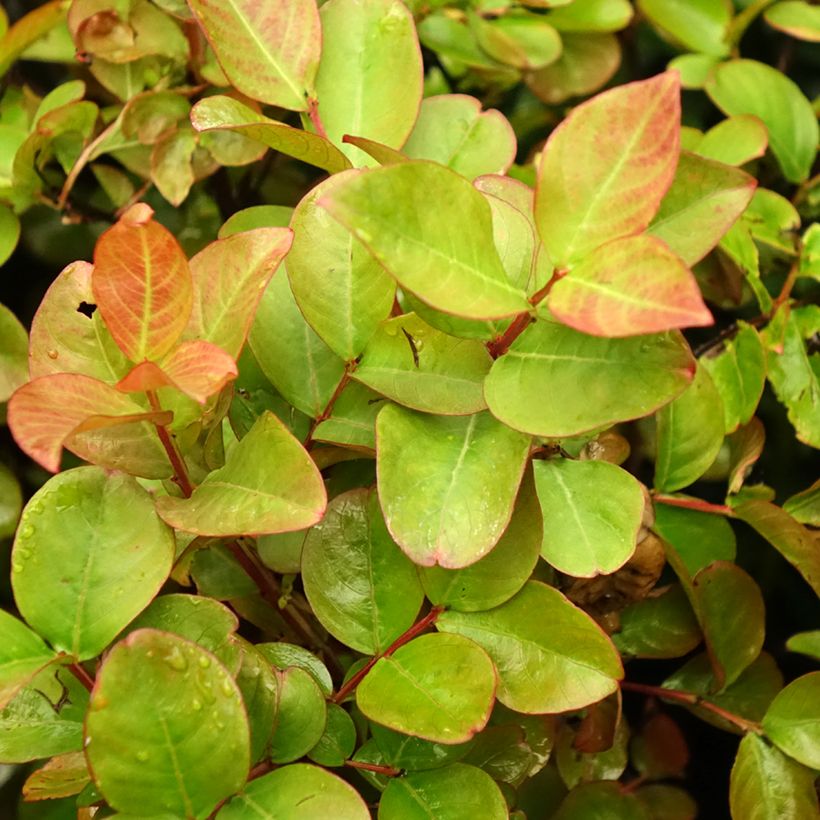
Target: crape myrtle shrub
{"type": "Point", "coordinates": [408, 456]}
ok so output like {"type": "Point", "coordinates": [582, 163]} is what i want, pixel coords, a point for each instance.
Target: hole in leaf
{"type": "Point", "coordinates": [86, 308]}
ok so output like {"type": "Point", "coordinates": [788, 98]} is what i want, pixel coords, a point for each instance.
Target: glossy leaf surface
{"type": "Point", "coordinates": [22, 655]}
{"type": "Point", "coordinates": [301, 716]}
{"type": "Point", "coordinates": [793, 720]}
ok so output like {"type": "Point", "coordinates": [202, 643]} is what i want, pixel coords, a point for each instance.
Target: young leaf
{"type": "Point", "coordinates": [9, 233]}
{"type": "Point", "coordinates": [179, 758]}
{"type": "Point", "coordinates": [22, 655]}
{"type": "Point", "coordinates": [47, 413]}
{"type": "Point", "coordinates": [499, 574]}
{"type": "Point", "coordinates": [599, 800]}
{"type": "Point", "coordinates": [765, 783]}
{"type": "Point", "coordinates": [729, 606]}
{"type": "Point", "coordinates": [805, 506]}
{"type": "Point", "coordinates": [299, 790]}
{"type": "Point", "coordinates": [268, 484]}
{"type": "Point", "coordinates": [806, 643]}
{"type": "Point", "coordinates": [735, 140]}
{"type": "Point", "coordinates": [229, 278]}
{"type": "Point", "coordinates": [13, 353]}
{"type": "Point", "coordinates": [622, 379]}
{"type": "Point", "coordinates": [338, 743]}
{"type": "Point", "coordinates": [284, 655]}
{"type": "Point", "coordinates": [592, 513]}
{"type": "Point", "coordinates": [63, 776]}
{"type": "Point", "coordinates": [452, 129]}
{"type": "Point", "coordinates": [370, 76]}
{"type": "Point", "coordinates": [142, 285]}
{"type": "Point", "coordinates": [361, 586]}
{"type": "Point", "coordinates": [260, 693]}
{"type": "Point", "coordinates": [414, 753]}
{"type": "Point", "coordinates": [703, 202]}
{"type": "Point", "coordinates": [89, 555]}
{"type": "Point", "coordinates": [340, 288]}
{"type": "Point", "coordinates": [220, 113]}
{"type": "Point", "coordinates": [591, 15]}
{"type": "Point", "coordinates": [519, 39]}
{"type": "Point", "coordinates": [450, 793]}
{"type": "Point", "coordinates": [438, 687]}
{"type": "Point", "coordinates": [301, 716]}
{"type": "Point", "coordinates": [797, 18]}
{"type": "Point", "coordinates": [750, 87]}
{"type": "Point", "coordinates": [793, 720]}
{"type": "Point", "coordinates": [628, 287]}
{"type": "Point", "coordinates": [697, 538]}
{"type": "Point", "coordinates": [353, 420]}
{"type": "Point", "coordinates": [447, 485]}
{"type": "Point", "coordinates": [607, 166]}
{"type": "Point", "coordinates": [458, 272]}
{"type": "Point", "coordinates": [269, 51]}
{"type": "Point", "coordinates": [550, 656]}
{"type": "Point", "coordinates": [690, 433]}
{"type": "Point", "coordinates": [699, 25]}
{"type": "Point", "coordinates": [420, 367]}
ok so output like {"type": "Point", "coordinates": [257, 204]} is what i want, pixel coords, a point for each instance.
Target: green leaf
{"type": "Point", "coordinates": [353, 420]}
{"type": "Point", "coordinates": [370, 76]}
{"type": "Point", "coordinates": [302, 715]}
{"type": "Point", "coordinates": [797, 18]}
{"type": "Point", "coordinates": [773, 221]}
{"type": "Point", "coordinates": [28, 29]}
{"type": "Point", "coordinates": [260, 693]}
{"type": "Point", "coordinates": [90, 554]}
{"type": "Point", "coordinates": [44, 719]}
{"type": "Point", "coordinates": [806, 643]}
{"type": "Point", "coordinates": [622, 379]}
{"type": "Point", "coordinates": [456, 792]}
{"type": "Point", "coordinates": [698, 538]}
{"type": "Point", "coordinates": [735, 140]}
{"type": "Point", "coordinates": [171, 169]}
{"type": "Point", "coordinates": [698, 25]}
{"type": "Point", "coordinates": [268, 484]}
{"type": "Point", "coordinates": [338, 742]}
{"type": "Point", "coordinates": [413, 753]}
{"type": "Point", "coordinates": [805, 506]}
{"type": "Point", "coordinates": [217, 574]}
{"type": "Point", "coordinates": [499, 574]}
{"type": "Point", "coordinates": [387, 209]}
{"type": "Point", "coordinates": [550, 655]}
{"type": "Point", "coordinates": [750, 87]}
{"type": "Point", "coordinates": [360, 585]}
{"type": "Point", "coordinates": [792, 721]}
{"type": "Point", "coordinates": [22, 655]}
{"type": "Point", "coordinates": [738, 371]}
{"type": "Point", "coordinates": [13, 353]}
{"type": "Point", "coordinates": [661, 625]}
{"type": "Point", "coordinates": [627, 287]}
{"type": "Point", "coordinates": [186, 729]}
{"type": "Point", "coordinates": [9, 233]}
{"type": "Point", "coordinates": [592, 513]}
{"type": "Point", "coordinates": [290, 353]}
{"type": "Point", "coordinates": [601, 801]}
{"type": "Point", "coordinates": [690, 434]}
{"type": "Point", "coordinates": [587, 62]}
{"type": "Point", "coordinates": [519, 39]}
{"type": "Point", "coordinates": [270, 51]}
{"type": "Point", "coordinates": [703, 202]}
{"type": "Point", "coordinates": [220, 113]}
{"type": "Point", "coordinates": [422, 368]}
{"type": "Point", "coordinates": [766, 784]}
{"type": "Point", "coordinates": [63, 776]}
{"type": "Point", "coordinates": [793, 372]}
{"type": "Point", "coordinates": [284, 655]}
{"type": "Point", "coordinates": [577, 766]}
{"type": "Point", "coordinates": [591, 15]}
{"type": "Point", "coordinates": [796, 543]}
{"type": "Point", "coordinates": [300, 790]}
{"type": "Point", "coordinates": [451, 129]}
{"type": "Point", "coordinates": [438, 687]}
{"type": "Point", "coordinates": [257, 216]}
{"type": "Point", "coordinates": [730, 608]}
{"type": "Point", "coordinates": [11, 501]}
{"type": "Point", "coordinates": [607, 166]}
{"type": "Point", "coordinates": [447, 484]}
{"type": "Point", "coordinates": [340, 288]}
{"type": "Point", "coordinates": [667, 802]}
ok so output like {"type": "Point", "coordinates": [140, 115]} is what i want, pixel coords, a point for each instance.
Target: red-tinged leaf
{"type": "Point", "coordinates": [200, 369]}
{"type": "Point", "coordinates": [45, 412]}
{"type": "Point", "coordinates": [142, 285]}
{"type": "Point", "coordinates": [143, 377]}
{"type": "Point", "coordinates": [606, 168]}
{"type": "Point", "coordinates": [268, 49]}
{"type": "Point", "coordinates": [230, 276]}
{"type": "Point", "coordinates": [629, 287]}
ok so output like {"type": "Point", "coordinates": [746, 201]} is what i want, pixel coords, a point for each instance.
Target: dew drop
{"type": "Point", "coordinates": [26, 531]}
{"type": "Point", "coordinates": [226, 687]}
{"type": "Point", "coordinates": [204, 661]}
{"type": "Point", "coordinates": [196, 705]}
{"type": "Point", "coordinates": [17, 566]}
{"type": "Point", "coordinates": [52, 354]}
{"type": "Point", "coordinates": [86, 744]}
{"type": "Point", "coordinates": [176, 660]}
{"type": "Point", "coordinates": [142, 755]}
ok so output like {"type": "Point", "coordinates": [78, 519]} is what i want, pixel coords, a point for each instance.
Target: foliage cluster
{"type": "Point", "coordinates": [407, 451]}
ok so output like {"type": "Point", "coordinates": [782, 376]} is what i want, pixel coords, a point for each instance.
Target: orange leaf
{"type": "Point", "coordinates": [629, 287]}
{"type": "Point", "coordinates": [43, 413]}
{"type": "Point", "coordinates": [607, 166]}
{"type": "Point", "coordinates": [142, 285]}
{"type": "Point", "coordinates": [229, 277]}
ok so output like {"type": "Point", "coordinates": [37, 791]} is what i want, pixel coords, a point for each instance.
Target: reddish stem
{"type": "Point", "coordinates": [82, 676]}
{"type": "Point", "coordinates": [174, 456]}
{"type": "Point", "coordinates": [389, 771]}
{"type": "Point", "coordinates": [427, 621]}
{"type": "Point", "coordinates": [695, 504]}
{"type": "Point", "coordinates": [786, 290]}
{"type": "Point", "coordinates": [313, 113]}
{"type": "Point", "coordinates": [691, 699]}
{"type": "Point", "coordinates": [325, 414]}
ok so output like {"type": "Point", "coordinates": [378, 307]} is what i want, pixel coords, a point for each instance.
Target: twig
{"type": "Point", "coordinates": [313, 113]}
{"type": "Point", "coordinates": [427, 621]}
{"type": "Point", "coordinates": [325, 414]}
{"type": "Point", "coordinates": [694, 504]}
{"type": "Point", "coordinates": [82, 676]}
{"type": "Point", "coordinates": [389, 771]}
{"type": "Point", "coordinates": [174, 456]}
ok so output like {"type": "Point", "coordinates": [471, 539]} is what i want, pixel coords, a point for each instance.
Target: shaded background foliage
{"type": "Point", "coordinates": [51, 239]}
